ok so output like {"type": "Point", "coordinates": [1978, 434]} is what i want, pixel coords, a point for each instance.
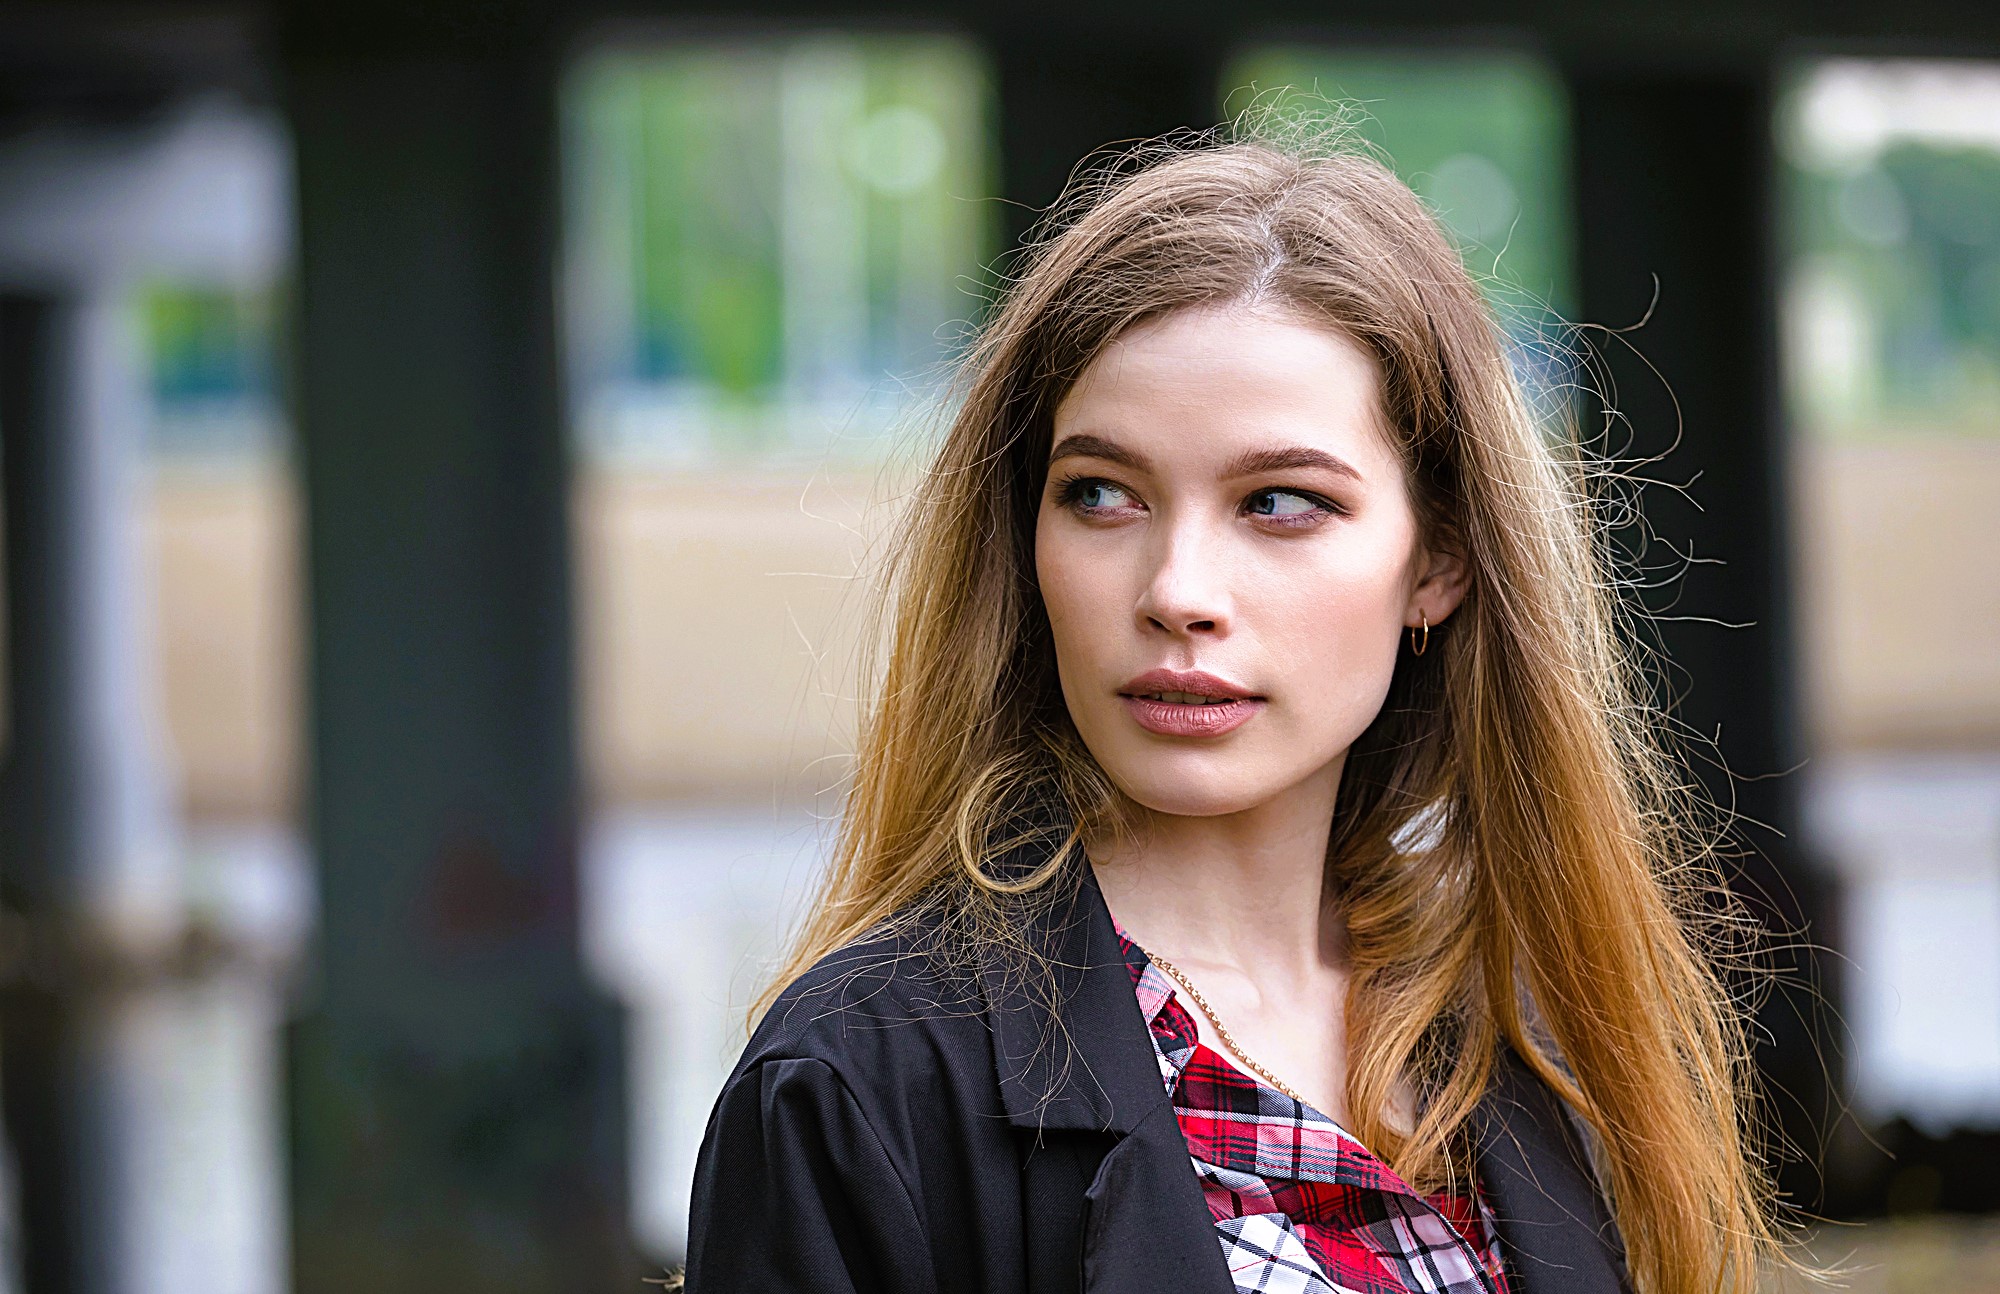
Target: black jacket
{"type": "Point", "coordinates": [886, 1131]}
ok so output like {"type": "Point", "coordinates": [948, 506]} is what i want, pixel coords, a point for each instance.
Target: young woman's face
{"type": "Point", "coordinates": [1222, 500]}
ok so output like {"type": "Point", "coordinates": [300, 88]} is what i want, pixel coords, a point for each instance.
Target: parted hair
{"type": "Point", "coordinates": [1517, 853]}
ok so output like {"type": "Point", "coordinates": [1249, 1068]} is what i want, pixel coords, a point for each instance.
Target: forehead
{"type": "Point", "coordinates": [1204, 382]}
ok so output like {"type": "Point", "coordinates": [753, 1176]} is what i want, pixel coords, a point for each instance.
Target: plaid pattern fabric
{"type": "Point", "coordinates": [1300, 1206]}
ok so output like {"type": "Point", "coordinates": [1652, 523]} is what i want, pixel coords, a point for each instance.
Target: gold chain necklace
{"type": "Point", "coordinates": [1221, 1030]}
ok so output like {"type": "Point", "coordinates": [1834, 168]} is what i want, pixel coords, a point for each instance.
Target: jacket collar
{"type": "Point", "coordinates": [1088, 1065]}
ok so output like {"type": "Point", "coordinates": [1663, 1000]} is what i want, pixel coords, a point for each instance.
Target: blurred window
{"type": "Point", "coordinates": [1890, 327]}
{"type": "Point", "coordinates": [1893, 230]}
{"type": "Point", "coordinates": [776, 249]}
{"type": "Point", "coordinates": [775, 240]}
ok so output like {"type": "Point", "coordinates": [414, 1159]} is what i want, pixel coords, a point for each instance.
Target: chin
{"type": "Point", "coordinates": [1188, 788]}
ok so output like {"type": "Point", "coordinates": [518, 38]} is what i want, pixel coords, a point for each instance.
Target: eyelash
{"type": "Point", "coordinates": [1069, 493]}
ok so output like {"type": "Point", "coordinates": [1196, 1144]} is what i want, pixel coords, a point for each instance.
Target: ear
{"type": "Point", "coordinates": [1441, 584]}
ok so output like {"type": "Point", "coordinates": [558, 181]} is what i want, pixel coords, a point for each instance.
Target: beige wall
{"type": "Point", "coordinates": [718, 627]}
{"type": "Point", "coordinates": [719, 620]}
{"type": "Point", "coordinates": [1898, 593]}
{"type": "Point", "coordinates": [225, 556]}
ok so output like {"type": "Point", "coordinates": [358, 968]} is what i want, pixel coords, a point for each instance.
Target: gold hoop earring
{"type": "Point", "coordinates": [1419, 646]}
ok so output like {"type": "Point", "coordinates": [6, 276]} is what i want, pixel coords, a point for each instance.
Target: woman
{"type": "Point", "coordinates": [1258, 873]}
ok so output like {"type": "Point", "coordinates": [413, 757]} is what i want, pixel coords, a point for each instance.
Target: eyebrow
{"type": "Point", "coordinates": [1085, 445]}
{"type": "Point", "coordinates": [1250, 462]}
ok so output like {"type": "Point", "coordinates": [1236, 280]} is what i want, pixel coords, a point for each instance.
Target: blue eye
{"type": "Point", "coordinates": [1091, 494]}
{"type": "Point", "coordinates": [1300, 506]}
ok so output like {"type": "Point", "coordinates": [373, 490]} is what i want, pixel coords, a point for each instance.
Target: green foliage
{"type": "Point", "coordinates": [767, 224]}
{"type": "Point", "coordinates": [211, 357]}
{"type": "Point", "coordinates": [1892, 282]}
{"type": "Point", "coordinates": [206, 342]}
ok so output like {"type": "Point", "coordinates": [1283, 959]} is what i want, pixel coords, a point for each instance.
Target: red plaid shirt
{"type": "Point", "coordinates": [1300, 1206]}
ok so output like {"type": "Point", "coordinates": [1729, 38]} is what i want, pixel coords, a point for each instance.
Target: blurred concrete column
{"type": "Point", "coordinates": [90, 871]}
{"type": "Point", "coordinates": [1674, 176]}
{"type": "Point", "coordinates": [457, 1087]}
{"type": "Point", "coordinates": [1069, 89]}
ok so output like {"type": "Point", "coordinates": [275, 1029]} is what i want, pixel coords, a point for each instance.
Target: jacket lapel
{"type": "Point", "coordinates": [1087, 1065]}
{"type": "Point", "coordinates": [1088, 1090]}
{"type": "Point", "coordinates": [1554, 1228]}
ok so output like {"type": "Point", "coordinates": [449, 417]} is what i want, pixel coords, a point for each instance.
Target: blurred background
{"type": "Point", "coordinates": [442, 449]}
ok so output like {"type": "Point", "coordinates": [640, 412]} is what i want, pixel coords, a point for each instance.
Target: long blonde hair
{"type": "Point", "coordinates": [1516, 855]}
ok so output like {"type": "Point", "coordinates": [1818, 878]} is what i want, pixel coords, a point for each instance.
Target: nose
{"type": "Point", "coordinates": [1187, 588]}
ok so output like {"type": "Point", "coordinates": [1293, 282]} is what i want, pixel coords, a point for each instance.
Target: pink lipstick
{"type": "Point", "coordinates": [1188, 703]}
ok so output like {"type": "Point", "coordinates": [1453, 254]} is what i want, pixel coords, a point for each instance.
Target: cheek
{"type": "Point", "coordinates": [1057, 576]}
{"type": "Point", "coordinates": [1048, 569]}
{"type": "Point", "coordinates": [1079, 591]}
{"type": "Point", "coordinates": [1338, 623]}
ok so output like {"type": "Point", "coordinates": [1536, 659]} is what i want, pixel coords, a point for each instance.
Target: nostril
{"type": "Point", "coordinates": [1186, 626]}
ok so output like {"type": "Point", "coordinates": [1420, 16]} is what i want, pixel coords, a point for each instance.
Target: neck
{"type": "Point", "coordinates": [1245, 890]}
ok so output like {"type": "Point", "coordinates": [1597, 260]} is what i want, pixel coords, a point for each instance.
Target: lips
{"type": "Point", "coordinates": [1185, 683]}
{"type": "Point", "coordinates": [1188, 703]}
